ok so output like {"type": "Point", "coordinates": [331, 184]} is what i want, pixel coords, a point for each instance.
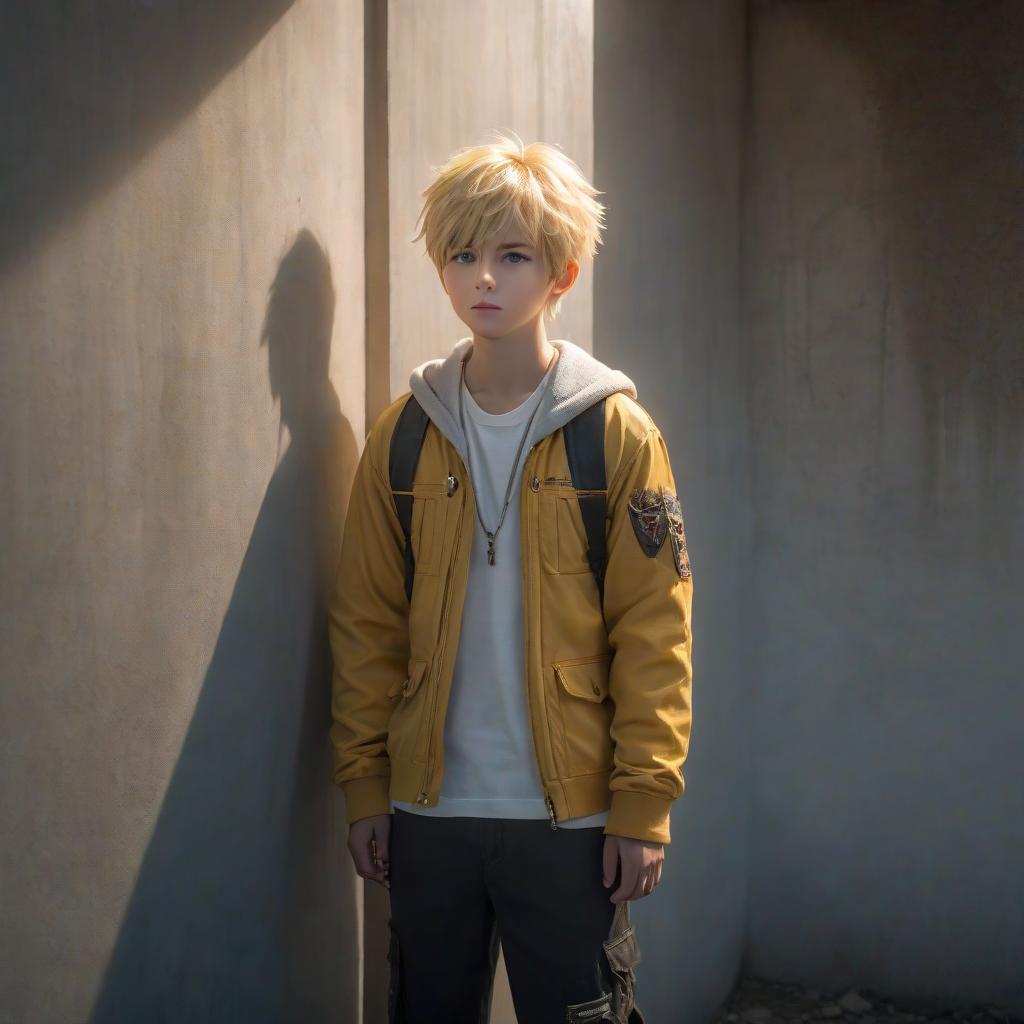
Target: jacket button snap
{"type": "Point", "coordinates": [535, 484]}
{"type": "Point", "coordinates": [597, 689]}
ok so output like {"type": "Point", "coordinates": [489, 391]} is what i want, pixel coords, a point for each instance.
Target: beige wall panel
{"type": "Point", "coordinates": [456, 70]}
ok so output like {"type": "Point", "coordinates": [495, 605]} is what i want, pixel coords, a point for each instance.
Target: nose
{"type": "Point", "coordinates": [484, 273]}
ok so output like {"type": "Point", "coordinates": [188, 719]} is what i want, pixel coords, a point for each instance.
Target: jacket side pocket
{"type": "Point", "coordinates": [406, 724]}
{"type": "Point", "coordinates": [586, 712]}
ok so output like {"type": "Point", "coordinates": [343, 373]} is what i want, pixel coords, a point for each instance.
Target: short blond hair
{"type": "Point", "coordinates": [537, 189]}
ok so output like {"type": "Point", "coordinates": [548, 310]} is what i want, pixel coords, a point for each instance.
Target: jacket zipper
{"type": "Point", "coordinates": [549, 803]}
{"type": "Point", "coordinates": [446, 617]}
{"type": "Point", "coordinates": [551, 809]}
{"type": "Point", "coordinates": [428, 771]}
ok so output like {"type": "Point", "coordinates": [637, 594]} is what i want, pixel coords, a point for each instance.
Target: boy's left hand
{"type": "Point", "coordinates": [641, 866]}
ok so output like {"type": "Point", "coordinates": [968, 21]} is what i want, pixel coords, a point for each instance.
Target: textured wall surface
{"type": "Point", "coordinates": [811, 270]}
{"type": "Point", "coordinates": [883, 312]}
{"type": "Point", "coordinates": [668, 105]}
{"type": "Point", "coordinates": [181, 314]}
{"type": "Point", "coordinates": [456, 71]}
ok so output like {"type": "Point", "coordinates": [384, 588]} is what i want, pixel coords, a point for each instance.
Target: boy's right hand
{"type": "Point", "coordinates": [368, 844]}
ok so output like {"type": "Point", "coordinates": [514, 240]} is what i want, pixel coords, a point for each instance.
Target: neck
{"type": "Point", "coordinates": [501, 373]}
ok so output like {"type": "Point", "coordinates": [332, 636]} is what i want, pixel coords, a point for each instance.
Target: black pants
{"type": "Point", "coordinates": [459, 886]}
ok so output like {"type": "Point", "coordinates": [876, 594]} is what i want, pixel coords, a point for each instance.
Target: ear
{"type": "Point", "coordinates": [568, 279]}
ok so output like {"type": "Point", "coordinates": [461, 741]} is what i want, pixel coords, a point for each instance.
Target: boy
{"type": "Point", "coordinates": [510, 711]}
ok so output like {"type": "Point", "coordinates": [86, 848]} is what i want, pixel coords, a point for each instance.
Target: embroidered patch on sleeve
{"type": "Point", "coordinates": [677, 535]}
{"type": "Point", "coordinates": [656, 515]}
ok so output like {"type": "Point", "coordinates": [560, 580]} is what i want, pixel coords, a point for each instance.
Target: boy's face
{"type": "Point", "coordinates": [506, 272]}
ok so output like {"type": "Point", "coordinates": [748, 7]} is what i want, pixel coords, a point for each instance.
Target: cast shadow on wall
{"type": "Point", "coordinates": [90, 89]}
{"type": "Point", "coordinates": [244, 904]}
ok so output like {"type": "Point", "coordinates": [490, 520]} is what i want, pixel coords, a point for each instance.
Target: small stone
{"type": "Point", "coordinates": [854, 1002]}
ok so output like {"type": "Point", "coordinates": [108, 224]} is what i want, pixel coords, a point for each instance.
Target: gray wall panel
{"type": "Point", "coordinates": [668, 121]}
{"type": "Point", "coordinates": [181, 311]}
{"type": "Point", "coordinates": [883, 313]}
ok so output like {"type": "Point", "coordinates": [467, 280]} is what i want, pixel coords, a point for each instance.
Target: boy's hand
{"type": "Point", "coordinates": [641, 866]}
{"type": "Point", "coordinates": [368, 844]}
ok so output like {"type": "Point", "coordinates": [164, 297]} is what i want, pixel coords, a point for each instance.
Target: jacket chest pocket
{"type": "Point", "coordinates": [429, 512]}
{"type": "Point", "coordinates": [586, 714]}
{"type": "Point", "coordinates": [563, 538]}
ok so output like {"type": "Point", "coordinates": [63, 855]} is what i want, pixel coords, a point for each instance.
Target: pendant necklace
{"type": "Point", "coordinates": [515, 465]}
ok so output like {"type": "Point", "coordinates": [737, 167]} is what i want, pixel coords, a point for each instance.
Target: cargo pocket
{"type": "Point", "coordinates": [623, 954]}
{"type": "Point", "coordinates": [589, 1011]}
{"type": "Point", "coordinates": [396, 1010]}
{"type": "Point", "coordinates": [586, 713]}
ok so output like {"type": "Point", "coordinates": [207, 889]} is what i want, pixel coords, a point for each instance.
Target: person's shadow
{"type": "Point", "coordinates": [244, 906]}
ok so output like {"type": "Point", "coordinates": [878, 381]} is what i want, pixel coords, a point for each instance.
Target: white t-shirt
{"type": "Point", "coordinates": [490, 764]}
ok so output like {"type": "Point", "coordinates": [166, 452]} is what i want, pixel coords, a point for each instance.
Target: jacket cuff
{"type": "Point", "coordinates": [366, 796]}
{"type": "Point", "coordinates": [639, 816]}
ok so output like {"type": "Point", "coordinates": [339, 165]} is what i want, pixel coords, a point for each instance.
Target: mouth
{"type": "Point", "coordinates": [485, 305]}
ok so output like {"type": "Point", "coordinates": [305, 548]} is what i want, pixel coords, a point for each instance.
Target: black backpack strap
{"type": "Point", "coordinates": [584, 447]}
{"type": "Point", "coordinates": [406, 442]}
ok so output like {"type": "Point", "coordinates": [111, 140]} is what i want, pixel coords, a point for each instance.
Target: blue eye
{"type": "Point", "coordinates": [520, 258]}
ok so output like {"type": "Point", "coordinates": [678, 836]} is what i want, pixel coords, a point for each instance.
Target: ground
{"type": "Point", "coordinates": [756, 1001]}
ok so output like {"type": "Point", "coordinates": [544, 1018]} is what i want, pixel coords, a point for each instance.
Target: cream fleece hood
{"type": "Point", "coordinates": [577, 381]}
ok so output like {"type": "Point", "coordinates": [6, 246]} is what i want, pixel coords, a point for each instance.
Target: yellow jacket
{"type": "Point", "coordinates": [608, 695]}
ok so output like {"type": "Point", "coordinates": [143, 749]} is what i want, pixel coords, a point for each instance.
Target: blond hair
{"type": "Point", "coordinates": [536, 189]}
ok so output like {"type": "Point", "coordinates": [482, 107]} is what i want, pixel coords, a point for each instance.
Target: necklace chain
{"type": "Point", "coordinates": [492, 537]}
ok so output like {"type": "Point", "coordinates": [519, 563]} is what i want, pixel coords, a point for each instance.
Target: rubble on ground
{"type": "Point", "coordinates": [755, 1001]}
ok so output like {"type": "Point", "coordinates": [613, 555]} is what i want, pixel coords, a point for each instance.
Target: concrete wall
{"type": "Point", "coordinates": [181, 378]}
{"type": "Point", "coordinates": [668, 130]}
{"type": "Point", "coordinates": [883, 307]}
{"type": "Point", "coordinates": [207, 292]}
{"type": "Point", "coordinates": [457, 70]}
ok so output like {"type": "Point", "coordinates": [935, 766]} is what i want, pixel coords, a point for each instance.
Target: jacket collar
{"type": "Point", "coordinates": [577, 381]}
